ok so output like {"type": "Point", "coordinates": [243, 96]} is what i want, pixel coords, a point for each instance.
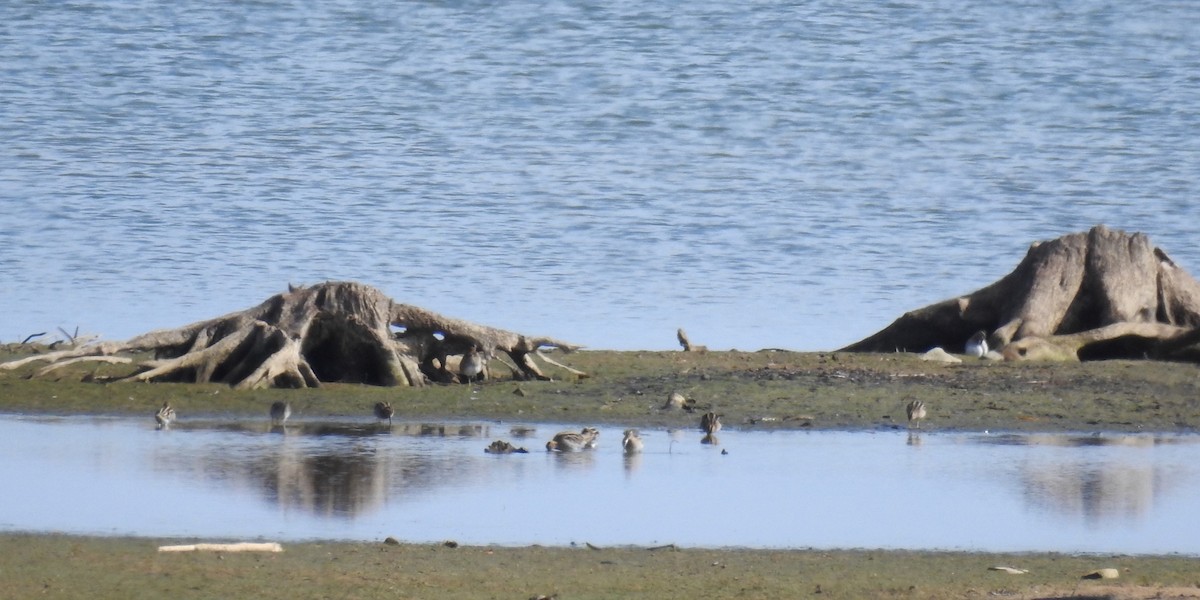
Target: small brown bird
{"type": "Point", "coordinates": [916, 412]}
{"type": "Point", "coordinates": [383, 410]}
{"type": "Point", "coordinates": [570, 441]}
{"type": "Point", "coordinates": [164, 416]}
{"type": "Point", "coordinates": [471, 366]}
{"type": "Point", "coordinates": [710, 423]}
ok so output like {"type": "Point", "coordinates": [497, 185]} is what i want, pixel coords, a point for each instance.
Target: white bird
{"type": "Point", "coordinates": [977, 345]}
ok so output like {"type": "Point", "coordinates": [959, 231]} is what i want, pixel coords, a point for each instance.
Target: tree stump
{"type": "Point", "coordinates": [331, 332]}
{"type": "Point", "coordinates": [1084, 296]}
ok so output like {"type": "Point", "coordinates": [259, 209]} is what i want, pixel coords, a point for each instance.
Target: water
{"type": "Point", "coordinates": [764, 174]}
{"type": "Point", "coordinates": [418, 482]}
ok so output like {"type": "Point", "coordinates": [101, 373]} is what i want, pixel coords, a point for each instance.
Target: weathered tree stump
{"type": "Point", "coordinates": [1094, 295]}
{"type": "Point", "coordinates": [331, 332]}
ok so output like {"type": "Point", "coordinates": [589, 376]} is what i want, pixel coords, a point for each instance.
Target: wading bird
{"type": "Point", "coordinates": [916, 412]}
{"type": "Point", "coordinates": [383, 410]}
{"type": "Point", "coordinates": [632, 442]}
{"type": "Point", "coordinates": [570, 441]}
{"type": "Point", "coordinates": [164, 416]}
{"type": "Point", "coordinates": [280, 411]}
{"type": "Point", "coordinates": [503, 447]}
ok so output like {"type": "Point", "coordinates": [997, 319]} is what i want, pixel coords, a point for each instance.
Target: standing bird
{"type": "Point", "coordinates": [471, 367]}
{"type": "Point", "coordinates": [632, 442]}
{"type": "Point", "coordinates": [570, 441]}
{"type": "Point", "coordinates": [164, 416]}
{"type": "Point", "coordinates": [383, 410]}
{"type": "Point", "coordinates": [710, 424]}
{"type": "Point", "coordinates": [280, 411]}
{"type": "Point", "coordinates": [977, 345]}
{"type": "Point", "coordinates": [916, 412]}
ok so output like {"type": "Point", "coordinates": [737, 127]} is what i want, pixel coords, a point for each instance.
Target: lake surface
{"type": "Point", "coordinates": [764, 174]}
{"type": "Point", "coordinates": [430, 482]}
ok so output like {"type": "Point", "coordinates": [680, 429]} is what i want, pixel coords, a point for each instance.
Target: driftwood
{"type": "Point", "coordinates": [1093, 295]}
{"type": "Point", "coordinates": [331, 332]}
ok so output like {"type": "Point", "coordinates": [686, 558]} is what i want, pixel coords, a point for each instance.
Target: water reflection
{"type": "Point", "coordinates": [433, 481]}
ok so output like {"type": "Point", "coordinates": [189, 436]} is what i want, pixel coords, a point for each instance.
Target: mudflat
{"type": "Point", "coordinates": [752, 390]}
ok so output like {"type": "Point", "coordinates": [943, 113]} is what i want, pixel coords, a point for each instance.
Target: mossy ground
{"type": "Point", "coordinates": [75, 567]}
{"type": "Point", "coordinates": [769, 389]}
{"type": "Point", "coordinates": [753, 390]}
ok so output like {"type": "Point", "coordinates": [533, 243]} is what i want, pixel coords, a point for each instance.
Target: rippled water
{"type": "Point", "coordinates": [765, 174]}
{"type": "Point", "coordinates": [432, 482]}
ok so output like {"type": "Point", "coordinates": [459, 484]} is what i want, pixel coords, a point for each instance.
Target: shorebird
{"type": "Point", "coordinates": [164, 416]}
{"type": "Point", "coordinates": [280, 411]}
{"type": "Point", "coordinates": [570, 441]}
{"type": "Point", "coordinates": [471, 366]}
{"type": "Point", "coordinates": [503, 447]}
{"type": "Point", "coordinates": [916, 412]}
{"type": "Point", "coordinates": [710, 423]}
{"type": "Point", "coordinates": [977, 344]}
{"type": "Point", "coordinates": [632, 442]}
{"type": "Point", "coordinates": [383, 410]}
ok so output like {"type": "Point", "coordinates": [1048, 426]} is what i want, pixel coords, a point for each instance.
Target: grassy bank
{"type": "Point", "coordinates": [768, 389]}
{"type": "Point", "coordinates": [73, 567]}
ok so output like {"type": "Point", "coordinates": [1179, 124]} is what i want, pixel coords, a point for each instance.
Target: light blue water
{"type": "Point", "coordinates": [1130, 494]}
{"type": "Point", "coordinates": [764, 174]}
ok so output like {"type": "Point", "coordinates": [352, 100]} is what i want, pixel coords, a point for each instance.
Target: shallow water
{"type": "Point", "coordinates": [764, 174]}
{"type": "Point", "coordinates": [432, 482]}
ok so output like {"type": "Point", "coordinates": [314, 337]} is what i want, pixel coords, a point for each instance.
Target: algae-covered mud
{"type": "Point", "coordinates": [765, 389]}
{"type": "Point", "coordinates": [70, 567]}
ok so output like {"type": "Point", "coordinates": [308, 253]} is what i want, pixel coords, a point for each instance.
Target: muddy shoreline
{"type": "Point", "coordinates": [752, 390]}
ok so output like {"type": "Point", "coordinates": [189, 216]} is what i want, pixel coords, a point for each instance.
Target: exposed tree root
{"type": "Point", "coordinates": [1093, 295]}
{"type": "Point", "coordinates": [331, 332]}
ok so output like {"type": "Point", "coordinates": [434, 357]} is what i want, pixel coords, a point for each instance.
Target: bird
{"type": "Point", "coordinates": [916, 412]}
{"type": "Point", "coordinates": [471, 366]}
{"type": "Point", "coordinates": [383, 410]}
{"type": "Point", "coordinates": [977, 344]}
{"type": "Point", "coordinates": [710, 423]}
{"type": "Point", "coordinates": [280, 411]}
{"type": "Point", "coordinates": [504, 447]}
{"type": "Point", "coordinates": [632, 442]}
{"type": "Point", "coordinates": [164, 416]}
{"type": "Point", "coordinates": [570, 441]}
